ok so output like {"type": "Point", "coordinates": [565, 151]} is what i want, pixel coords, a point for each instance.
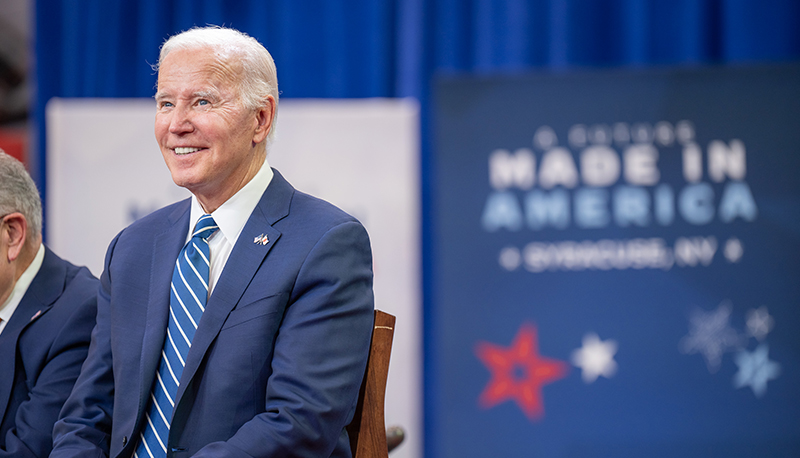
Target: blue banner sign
{"type": "Point", "coordinates": [616, 265]}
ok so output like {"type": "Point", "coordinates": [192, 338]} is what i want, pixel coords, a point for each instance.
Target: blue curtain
{"type": "Point", "coordinates": [393, 48]}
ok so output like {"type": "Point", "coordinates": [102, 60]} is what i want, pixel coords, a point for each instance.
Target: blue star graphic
{"type": "Point", "coordinates": [755, 370]}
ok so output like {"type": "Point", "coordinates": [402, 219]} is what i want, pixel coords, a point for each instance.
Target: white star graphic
{"type": "Point", "coordinates": [759, 322]}
{"type": "Point", "coordinates": [595, 358]}
{"type": "Point", "coordinates": [755, 370]}
{"type": "Point", "coordinates": [710, 333]}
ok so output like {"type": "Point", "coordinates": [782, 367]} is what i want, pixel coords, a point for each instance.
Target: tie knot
{"type": "Point", "coordinates": [205, 227]}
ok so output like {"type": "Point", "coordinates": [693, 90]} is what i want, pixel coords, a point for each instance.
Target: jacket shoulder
{"type": "Point", "coordinates": [153, 223]}
{"type": "Point", "coordinates": [157, 219]}
{"type": "Point", "coordinates": [79, 287]}
{"type": "Point", "coordinates": [318, 209]}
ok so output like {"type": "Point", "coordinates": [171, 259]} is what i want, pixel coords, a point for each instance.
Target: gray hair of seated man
{"type": "Point", "coordinates": [18, 193]}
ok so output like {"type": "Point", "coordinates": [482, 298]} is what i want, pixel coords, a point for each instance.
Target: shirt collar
{"type": "Point", "coordinates": [21, 286]}
{"type": "Point", "coordinates": [232, 215]}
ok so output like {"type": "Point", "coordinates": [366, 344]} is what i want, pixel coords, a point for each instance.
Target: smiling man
{"type": "Point", "coordinates": [236, 322]}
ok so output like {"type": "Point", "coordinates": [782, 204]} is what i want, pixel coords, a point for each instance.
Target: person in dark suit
{"type": "Point", "coordinates": [236, 322]}
{"type": "Point", "coordinates": [47, 310]}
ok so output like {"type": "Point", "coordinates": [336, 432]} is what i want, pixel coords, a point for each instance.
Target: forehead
{"type": "Point", "coordinates": [197, 67]}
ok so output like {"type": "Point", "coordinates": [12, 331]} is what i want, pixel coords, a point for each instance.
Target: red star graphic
{"type": "Point", "coordinates": [518, 372]}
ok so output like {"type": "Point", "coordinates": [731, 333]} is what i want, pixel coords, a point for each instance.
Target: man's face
{"type": "Point", "coordinates": [207, 138]}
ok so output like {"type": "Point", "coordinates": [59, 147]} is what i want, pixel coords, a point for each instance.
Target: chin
{"type": "Point", "coordinates": [183, 181]}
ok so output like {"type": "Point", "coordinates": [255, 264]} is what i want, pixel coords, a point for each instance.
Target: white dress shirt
{"type": "Point", "coordinates": [20, 287]}
{"type": "Point", "coordinates": [231, 217]}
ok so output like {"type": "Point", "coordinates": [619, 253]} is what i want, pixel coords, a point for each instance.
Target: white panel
{"type": "Point", "coordinates": [104, 170]}
{"type": "Point", "coordinates": [363, 156]}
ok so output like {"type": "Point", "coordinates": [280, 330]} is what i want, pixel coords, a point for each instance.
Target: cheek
{"type": "Point", "coordinates": [161, 127]}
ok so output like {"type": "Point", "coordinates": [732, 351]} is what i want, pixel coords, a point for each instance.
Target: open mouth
{"type": "Point", "coordinates": [186, 150]}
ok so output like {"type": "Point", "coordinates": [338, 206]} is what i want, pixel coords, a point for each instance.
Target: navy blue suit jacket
{"type": "Point", "coordinates": [278, 356]}
{"type": "Point", "coordinates": [41, 351]}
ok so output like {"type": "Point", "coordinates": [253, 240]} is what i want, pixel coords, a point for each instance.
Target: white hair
{"type": "Point", "coordinates": [259, 78]}
{"type": "Point", "coordinates": [18, 193]}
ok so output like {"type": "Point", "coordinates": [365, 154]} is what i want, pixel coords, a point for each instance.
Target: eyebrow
{"type": "Point", "coordinates": [205, 95]}
{"type": "Point", "coordinates": [196, 95]}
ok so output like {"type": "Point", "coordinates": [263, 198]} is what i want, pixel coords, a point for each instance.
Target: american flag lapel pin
{"type": "Point", "coordinates": [261, 240]}
{"type": "Point", "coordinates": [36, 315]}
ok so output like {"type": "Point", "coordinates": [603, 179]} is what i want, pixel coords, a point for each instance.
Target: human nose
{"type": "Point", "coordinates": [180, 121]}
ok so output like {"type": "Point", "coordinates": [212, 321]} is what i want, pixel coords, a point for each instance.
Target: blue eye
{"type": "Point", "coordinates": [202, 102]}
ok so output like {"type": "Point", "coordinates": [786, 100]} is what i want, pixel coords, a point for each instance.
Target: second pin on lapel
{"type": "Point", "coordinates": [261, 240]}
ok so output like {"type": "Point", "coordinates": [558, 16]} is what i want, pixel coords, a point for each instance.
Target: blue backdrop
{"type": "Point", "coordinates": [613, 255]}
{"type": "Point", "coordinates": [393, 48]}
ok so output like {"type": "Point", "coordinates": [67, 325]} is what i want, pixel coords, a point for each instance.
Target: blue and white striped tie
{"type": "Point", "coordinates": [186, 305]}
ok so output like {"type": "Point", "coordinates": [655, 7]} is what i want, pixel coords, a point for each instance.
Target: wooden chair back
{"type": "Point", "coordinates": [367, 431]}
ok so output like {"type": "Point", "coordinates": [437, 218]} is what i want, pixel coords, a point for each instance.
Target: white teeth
{"type": "Point", "coordinates": [182, 150]}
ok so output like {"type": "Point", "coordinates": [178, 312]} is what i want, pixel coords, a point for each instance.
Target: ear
{"type": "Point", "coordinates": [264, 117]}
{"type": "Point", "coordinates": [14, 229]}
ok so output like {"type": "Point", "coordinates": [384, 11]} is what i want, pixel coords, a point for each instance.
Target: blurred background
{"type": "Point", "coordinates": [585, 213]}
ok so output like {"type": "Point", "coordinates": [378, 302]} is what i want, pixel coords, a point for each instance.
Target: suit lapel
{"type": "Point", "coordinates": [247, 256]}
{"type": "Point", "coordinates": [40, 296]}
{"type": "Point", "coordinates": [166, 247]}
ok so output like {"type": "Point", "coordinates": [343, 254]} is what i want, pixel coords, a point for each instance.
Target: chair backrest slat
{"type": "Point", "coordinates": [367, 431]}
